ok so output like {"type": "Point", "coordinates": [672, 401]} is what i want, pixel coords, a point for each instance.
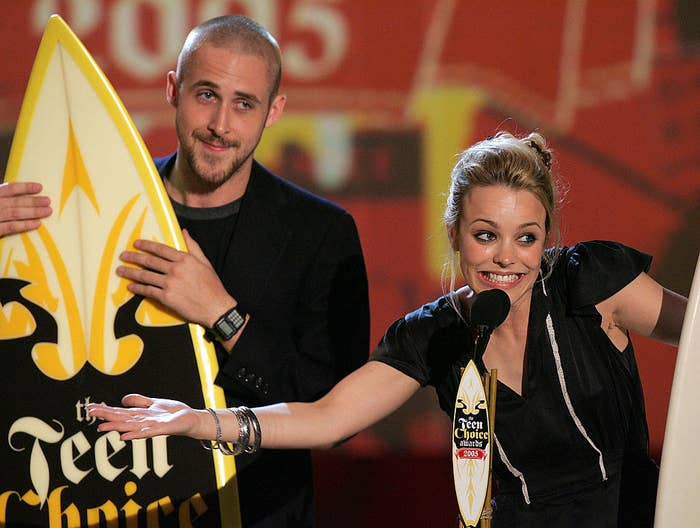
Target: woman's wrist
{"type": "Point", "coordinates": [238, 426]}
{"type": "Point", "coordinates": [205, 426]}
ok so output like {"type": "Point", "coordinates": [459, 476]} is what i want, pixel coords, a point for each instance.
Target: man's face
{"type": "Point", "coordinates": [222, 107]}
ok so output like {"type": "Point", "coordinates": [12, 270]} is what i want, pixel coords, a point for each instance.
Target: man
{"type": "Point", "coordinates": [273, 272]}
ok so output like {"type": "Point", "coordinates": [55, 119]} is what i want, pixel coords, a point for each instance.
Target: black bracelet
{"type": "Point", "coordinates": [253, 421]}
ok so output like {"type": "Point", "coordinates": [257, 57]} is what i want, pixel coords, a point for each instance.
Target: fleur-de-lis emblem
{"type": "Point", "coordinates": [62, 275]}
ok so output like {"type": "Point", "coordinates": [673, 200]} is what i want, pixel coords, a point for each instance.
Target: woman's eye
{"type": "Point", "coordinates": [484, 236]}
{"type": "Point", "coordinates": [527, 238]}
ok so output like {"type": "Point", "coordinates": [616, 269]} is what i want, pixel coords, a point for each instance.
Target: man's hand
{"type": "Point", "coordinates": [20, 209]}
{"type": "Point", "coordinates": [186, 283]}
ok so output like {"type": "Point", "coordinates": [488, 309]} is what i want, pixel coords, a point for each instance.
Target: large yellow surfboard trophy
{"type": "Point", "coordinates": [71, 333]}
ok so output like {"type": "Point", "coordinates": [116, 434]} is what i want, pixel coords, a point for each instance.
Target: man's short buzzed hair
{"type": "Point", "coordinates": [240, 33]}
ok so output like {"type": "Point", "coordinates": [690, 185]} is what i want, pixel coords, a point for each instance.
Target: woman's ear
{"type": "Point", "coordinates": [453, 235]}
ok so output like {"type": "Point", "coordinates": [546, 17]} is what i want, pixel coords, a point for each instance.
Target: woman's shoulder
{"type": "Point", "coordinates": [592, 257]}
{"type": "Point", "coordinates": [426, 319]}
{"type": "Point", "coordinates": [596, 269]}
{"type": "Point", "coordinates": [423, 341]}
{"type": "Point", "coordinates": [438, 311]}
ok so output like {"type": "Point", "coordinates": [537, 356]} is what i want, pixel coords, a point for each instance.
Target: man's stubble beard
{"type": "Point", "coordinates": [210, 180]}
{"type": "Point", "coordinates": [207, 181]}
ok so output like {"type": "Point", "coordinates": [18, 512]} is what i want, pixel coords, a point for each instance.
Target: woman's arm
{"type": "Point", "coordinates": [648, 309]}
{"type": "Point", "coordinates": [364, 397]}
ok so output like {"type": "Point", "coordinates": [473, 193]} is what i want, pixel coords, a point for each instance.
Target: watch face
{"type": "Point", "coordinates": [228, 324]}
{"type": "Point", "coordinates": [235, 318]}
{"type": "Point", "coordinates": [225, 329]}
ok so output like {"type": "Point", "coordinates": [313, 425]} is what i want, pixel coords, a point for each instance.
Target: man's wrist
{"type": "Point", "coordinates": [228, 324]}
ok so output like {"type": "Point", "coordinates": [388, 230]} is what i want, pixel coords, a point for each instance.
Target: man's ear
{"type": "Point", "coordinates": [275, 111]}
{"type": "Point", "coordinates": [171, 92]}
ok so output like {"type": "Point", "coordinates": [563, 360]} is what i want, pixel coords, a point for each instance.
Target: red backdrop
{"type": "Point", "coordinates": [381, 98]}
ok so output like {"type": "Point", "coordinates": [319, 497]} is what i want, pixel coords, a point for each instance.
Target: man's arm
{"type": "Point", "coordinates": [291, 356]}
{"type": "Point", "coordinates": [185, 283]}
{"type": "Point", "coordinates": [300, 354]}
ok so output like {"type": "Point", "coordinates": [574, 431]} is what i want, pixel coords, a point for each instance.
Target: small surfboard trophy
{"type": "Point", "coordinates": [71, 333]}
{"type": "Point", "coordinates": [474, 417]}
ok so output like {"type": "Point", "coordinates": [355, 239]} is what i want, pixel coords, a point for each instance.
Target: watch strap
{"type": "Point", "coordinates": [228, 325]}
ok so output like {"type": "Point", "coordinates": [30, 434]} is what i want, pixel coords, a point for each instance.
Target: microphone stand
{"type": "Point", "coordinates": [490, 385]}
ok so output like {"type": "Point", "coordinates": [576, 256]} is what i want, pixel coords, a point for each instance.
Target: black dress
{"type": "Point", "coordinates": [562, 443]}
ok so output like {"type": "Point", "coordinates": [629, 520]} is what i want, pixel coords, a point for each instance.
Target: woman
{"type": "Point", "coordinates": [570, 404]}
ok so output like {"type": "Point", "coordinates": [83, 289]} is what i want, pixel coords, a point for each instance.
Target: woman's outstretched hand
{"type": "Point", "coordinates": [143, 417]}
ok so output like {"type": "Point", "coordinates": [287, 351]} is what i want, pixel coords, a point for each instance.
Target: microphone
{"type": "Point", "coordinates": [489, 309]}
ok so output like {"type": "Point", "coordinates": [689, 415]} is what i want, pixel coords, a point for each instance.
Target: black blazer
{"type": "Point", "coordinates": [296, 265]}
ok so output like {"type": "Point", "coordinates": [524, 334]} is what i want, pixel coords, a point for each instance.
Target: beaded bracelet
{"type": "Point", "coordinates": [214, 444]}
{"type": "Point", "coordinates": [218, 444]}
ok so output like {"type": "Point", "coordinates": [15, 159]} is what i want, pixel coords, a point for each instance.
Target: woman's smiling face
{"type": "Point", "coordinates": [500, 238]}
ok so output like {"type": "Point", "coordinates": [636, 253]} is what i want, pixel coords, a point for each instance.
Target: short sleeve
{"type": "Point", "coordinates": [400, 350]}
{"type": "Point", "coordinates": [418, 344]}
{"type": "Point", "coordinates": [598, 269]}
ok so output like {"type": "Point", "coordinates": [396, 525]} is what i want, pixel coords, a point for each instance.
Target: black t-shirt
{"type": "Point", "coordinates": [212, 227]}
